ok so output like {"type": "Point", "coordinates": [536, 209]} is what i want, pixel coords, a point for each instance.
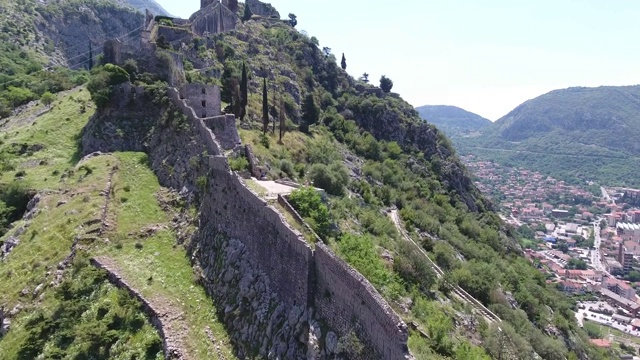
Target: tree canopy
{"type": "Point", "coordinates": [386, 84]}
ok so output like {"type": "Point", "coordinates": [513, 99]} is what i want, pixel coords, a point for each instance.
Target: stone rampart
{"type": "Point", "coordinates": [225, 130]}
{"type": "Point", "coordinates": [347, 301]}
{"type": "Point", "coordinates": [171, 342]}
{"type": "Point", "coordinates": [299, 275]}
{"type": "Point", "coordinates": [206, 135]}
{"type": "Point", "coordinates": [272, 245]}
{"type": "Point", "coordinates": [262, 273]}
{"type": "Point", "coordinates": [217, 132]}
{"type": "Point", "coordinates": [174, 34]}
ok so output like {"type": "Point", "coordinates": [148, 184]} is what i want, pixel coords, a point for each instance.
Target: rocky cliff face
{"type": "Point", "coordinates": [72, 28]}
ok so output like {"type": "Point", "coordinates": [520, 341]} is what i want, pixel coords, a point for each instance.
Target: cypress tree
{"type": "Point", "coordinates": [281, 118]}
{"type": "Point", "coordinates": [344, 62]}
{"type": "Point", "coordinates": [244, 92]}
{"type": "Point", "coordinates": [265, 107]}
{"type": "Point", "coordinates": [247, 13]}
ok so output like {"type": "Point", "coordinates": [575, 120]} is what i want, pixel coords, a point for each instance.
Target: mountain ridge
{"type": "Point", "coordinates": [584, 122]}
{"type": "Point", "coordinates": [453, 120]}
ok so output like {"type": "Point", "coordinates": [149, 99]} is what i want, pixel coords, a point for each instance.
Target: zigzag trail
{"type": "Point", "coordinates": [457, 290]}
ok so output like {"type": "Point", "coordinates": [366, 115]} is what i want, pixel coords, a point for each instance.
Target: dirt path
{"type": "Point", "coordinates": [457, 290]}
{"type": "Point", "coordinates": [166, 318]}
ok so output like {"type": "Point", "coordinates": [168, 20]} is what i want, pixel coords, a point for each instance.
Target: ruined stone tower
{"type": "Point", "coordinates": [213, 17]}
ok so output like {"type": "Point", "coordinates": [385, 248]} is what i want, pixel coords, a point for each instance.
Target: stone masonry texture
{"type": "Point", "coordinates": [269, 284]}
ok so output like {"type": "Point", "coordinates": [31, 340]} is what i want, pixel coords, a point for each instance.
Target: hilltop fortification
{"type": "Point", "coordinates": [279, 294]}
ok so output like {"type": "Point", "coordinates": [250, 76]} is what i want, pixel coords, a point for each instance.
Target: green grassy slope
{"type": "Point", "coordinates": [104, 321]}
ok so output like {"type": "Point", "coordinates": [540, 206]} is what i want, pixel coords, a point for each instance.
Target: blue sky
{"type": "Point", "coordinates": [484, 56]}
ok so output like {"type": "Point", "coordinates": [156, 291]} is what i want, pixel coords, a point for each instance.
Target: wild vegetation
{"type": "Point", "coordinates": [340, 129]}
{"type": "Point", "coordinates": [454, 121]}
{"type": "Point", "coordinates": [78, 314]}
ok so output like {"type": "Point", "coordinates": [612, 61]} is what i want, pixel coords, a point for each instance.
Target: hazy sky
{"type": "Point", "coordinates": [484, 56]}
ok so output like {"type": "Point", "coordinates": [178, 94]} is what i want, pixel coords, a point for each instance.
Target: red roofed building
{"type": "Point", "coordinates": [601, 343]}
{"type": "Point", "coordinates": [620, 287]}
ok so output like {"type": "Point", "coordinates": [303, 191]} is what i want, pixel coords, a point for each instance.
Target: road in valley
{"type": "Point", "coordinates": [596, 259]}
{"type": "Point", "coordinates": [605, 195]}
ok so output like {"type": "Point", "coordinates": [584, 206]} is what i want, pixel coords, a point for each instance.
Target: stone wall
{"type": "Point", "coordinates": [224, 127]}
{"type": "Point", "coordinates": [204, 99]}
{"type": "Point", "coordinates": [171, 344]}
{"type": "Point", "coordinates": [262, 9]}
{"type": "Point", "coordinates": [174, 34]}
{"type": "Point", "coordinates": [270, 242]}
{"type": "Point", "coordinates": [341, 296]}
{"type": "Point", "coordinates": [347, 301]}
{"type": "Point", "coordinates": [266, 279]}
{"type": "Point", "coordinates": [213, 18]}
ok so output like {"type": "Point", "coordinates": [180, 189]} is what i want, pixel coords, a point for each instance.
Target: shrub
{"type": "Point", "coordinates": [202, 182]}
{"type": "Point", "coordinates": [309, 205]}
{"type": "Point", "coordinates": [47, 98]}
{"type": "Point", "coordinates": [287, 167]}
{"type": "Point", "coordinates": [103, 78]}
{"type": "Point", "coordinates": [332, 178]}
{"type": "Point", "coordinates": [239, 163]}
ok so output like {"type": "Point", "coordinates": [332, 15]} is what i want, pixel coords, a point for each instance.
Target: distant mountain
{"type": "Point", "coordinates": [575, 133]}
{"type": "Point", "coordinates": [141, 5]}
{"type": "Point", "coordinates": [453, 120]}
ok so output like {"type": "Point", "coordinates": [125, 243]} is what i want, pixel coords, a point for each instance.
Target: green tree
{"type": "Point", "coordinates": [310, 113]}
{"type": "Point", "coordinates": [281, 117]}
{"type": "Point", "coordinates": [386, 84]}
{"type": "Point", "coordinates": [603, 224]}
{"type": "Point", "coordinates": [47, 99]}
{"type": "Point", "coordinates": [525, 231]}
{"type": "Point", "coordinates": [633, 276]}
{"type": "Point", "coordinates": [229, 73]}
{"type": "Point", "coordinates": [309, 205]}
{"type": "Point", "coordinates": [103, 78]}
{"type": "Point", "coordinates": [577, 264]}
{"type": "Point", "coordinates": [131, 66]}
{"type": "Point", "coordinates": [244, 92]}
{"type": "Point", "coordinates": [332, 178]}
{"type": "Point", "coordinates": [293, 20]}
{"type": "Point", "coordinates": [343, 63]}
{"type": "Point", "coordinates": [265, 107]}
{"type": "Point", "coordinates": [247, 13]}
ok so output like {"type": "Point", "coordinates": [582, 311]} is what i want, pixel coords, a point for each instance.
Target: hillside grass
{"type": "Point", "coordinates": [71, 195]}
{"type": "Point", "coordinates": [155, 265]}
